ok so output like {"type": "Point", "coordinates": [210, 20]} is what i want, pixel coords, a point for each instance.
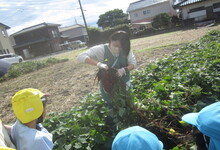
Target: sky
{"type": "Point", "coordinates": [20, 14]}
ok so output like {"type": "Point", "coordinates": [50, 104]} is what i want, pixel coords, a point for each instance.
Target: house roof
{"type": "Point", "coordinates": [6, 27]}
{"type": "Point", "coordinates": [38, 26]}
{"type": "Point", "coordinates": [187, 2]}
{"type": "Point", "coordinates": [142, 4]}
{"type": "Point", "coordinates": [71, 27]}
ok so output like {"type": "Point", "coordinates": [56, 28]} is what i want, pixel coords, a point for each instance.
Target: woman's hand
{"type": "Point", "coordinates": [102, 66]}
{"type": "Point", "coordinates": [121, 72]}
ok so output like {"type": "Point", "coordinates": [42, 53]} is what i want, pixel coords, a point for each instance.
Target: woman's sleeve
{"type": "Point", "coordinates": [132, 59]}
{"type": "Point", "coordinates": [96, 53]}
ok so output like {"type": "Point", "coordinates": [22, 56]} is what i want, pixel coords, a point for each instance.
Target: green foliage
{"type": "Point", "coordinates": [144, 31]}
{"type": "Point", "coordinates": [178, 148]}
{"type": "Point", "coordinates": [83, 126]}
{"type": "Point", "coordinates": [95, 35]}
{"type": "Point", "coordinates": [162, 92]}
{"type": "Point", "coordinates": [92, 125]}
{"type": "Point", "coordinates": [123, 112]}
{"type": "Point", "coordinates": [176, 21]}
{"type": "Point", "coordinates": [161, 21]}
{"type": "Point", "coordinates": [184, 82]}
{"type": "Point", "coordinates": [112, 18]}
{"type": "Point", "coordinates": [19, 69]}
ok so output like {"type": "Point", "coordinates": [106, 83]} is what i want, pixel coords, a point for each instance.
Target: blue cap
{"type": "Point", "coordinates": [136, 138]}
{"type": "Point", "coordinates": [4, 66]}
{"type": "Point", "coordinates": [208, 122]}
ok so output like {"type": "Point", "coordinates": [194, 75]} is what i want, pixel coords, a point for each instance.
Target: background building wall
{"type": "Point", "coordinates": [5, 43]}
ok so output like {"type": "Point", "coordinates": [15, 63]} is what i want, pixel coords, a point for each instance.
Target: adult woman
{"type": "Point", "coordinates": [116, 54]}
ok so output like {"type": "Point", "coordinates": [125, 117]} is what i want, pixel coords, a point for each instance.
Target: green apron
{"type": "Point", "coordinates": [114, 62]}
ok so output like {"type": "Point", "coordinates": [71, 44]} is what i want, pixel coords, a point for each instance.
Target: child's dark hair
{"type": "Point", "coordinates": [124, 39]}
{"type": "Point", "coordinates": [202, 141]}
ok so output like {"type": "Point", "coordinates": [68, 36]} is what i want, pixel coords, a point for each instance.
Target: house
{"type": "Point", "coordinates": [5, 43]}
{"type": "Point", "coordinates": [74, 32]}
{"type": "Point", "coordinates": [37, 40]}
{"type": "Point", "coordinates": [143, 11]}
{"type": "Point", "coordinates": [195, 11]}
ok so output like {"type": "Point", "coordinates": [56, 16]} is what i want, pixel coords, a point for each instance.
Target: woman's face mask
{"type": "Point", "coordinates": [115, 48]}
{"type": "Point", "coordinates": [115, 51]}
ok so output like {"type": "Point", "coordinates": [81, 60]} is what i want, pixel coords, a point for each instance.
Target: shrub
{"type": "Point", "coordinates": [94, 35]}
{"type": "Point", "coordinates": [161, 21]}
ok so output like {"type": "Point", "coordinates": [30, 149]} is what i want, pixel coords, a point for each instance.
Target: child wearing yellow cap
{"type": "Point", "coordinates": [29, 106]}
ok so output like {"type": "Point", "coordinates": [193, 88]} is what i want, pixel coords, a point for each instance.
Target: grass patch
{"type": "Point", "coordinates": [19, 69]}
{"type": "Point", "coordinates": [156, 48]}
{"type": "Point", "coordinates": [71, 55]}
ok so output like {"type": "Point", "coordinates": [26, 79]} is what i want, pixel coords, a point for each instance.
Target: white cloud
{"type": "Point", "coordinates": [64, 12]}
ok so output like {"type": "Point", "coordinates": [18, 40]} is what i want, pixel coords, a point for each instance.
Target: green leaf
{"type": "Point", "coordinates": [68, 147]}
{"type": "Point", "coordinates": [77, 146]}
{"type": "Point", "coordinates": [121, 111]}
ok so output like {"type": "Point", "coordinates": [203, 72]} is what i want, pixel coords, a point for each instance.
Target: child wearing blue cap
{"type": "Point", "coordinates": [136, 138]}
{"type": "Point", "coordinates": [4, 67]}
{"type": "Point", "coordinates": [208, 122]}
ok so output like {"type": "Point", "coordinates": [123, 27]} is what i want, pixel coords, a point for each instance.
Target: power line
{"type": "Point", "coordinates": [37, 2]}
{"type": "Point", "coordinates": [57, 3]}
{"type": "Point", "coordinates": [37, 9]}
{"type": "Point", "coordinates": [34, 4]}
{"type": "Point", "coordinates": [6, 18]}
{"type": "Point", "coordinates": [52, 5]}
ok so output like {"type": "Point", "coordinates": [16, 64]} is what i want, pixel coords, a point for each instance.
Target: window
{"type": "Point", "coordinates": [8, 51]}
{"type": "Point", "coordinates": [196, 9]}
{"type": "Point", "coordinates": [146, 12]}
{"type": "Point", "coordinates": [5, 56]}
{"type": "Point", "coordinates": [53, 33]}
{"type": "Point", "coordinates": [216, 5]}
{"type": "Point", "coordinates": [135, 14]}
{"type": "Point", "coordinates": [4, 33]}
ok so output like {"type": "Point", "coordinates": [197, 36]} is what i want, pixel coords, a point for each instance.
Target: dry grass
{"type": "Point", "coordinates": [69, 81]}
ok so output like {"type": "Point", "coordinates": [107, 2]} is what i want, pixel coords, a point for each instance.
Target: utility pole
{"type": "Point", "coordinates": [84, 20]}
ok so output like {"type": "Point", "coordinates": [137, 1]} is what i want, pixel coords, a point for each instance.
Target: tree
{"type": "Point", "coordinates": [95, 35]}
{"type": "Point", "coordinates": [176, 21]}
{"type": "Point", "coordinates": [161, 21]}
{"type": "Point", "coordinates": [112, 18]}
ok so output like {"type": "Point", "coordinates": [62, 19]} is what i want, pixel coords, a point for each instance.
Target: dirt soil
{"type": "Point", "coordinates": [68, 82]}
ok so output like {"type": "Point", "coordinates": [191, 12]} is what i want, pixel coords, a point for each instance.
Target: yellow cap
{"type": "Point", "coordinates": [27, 104]}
